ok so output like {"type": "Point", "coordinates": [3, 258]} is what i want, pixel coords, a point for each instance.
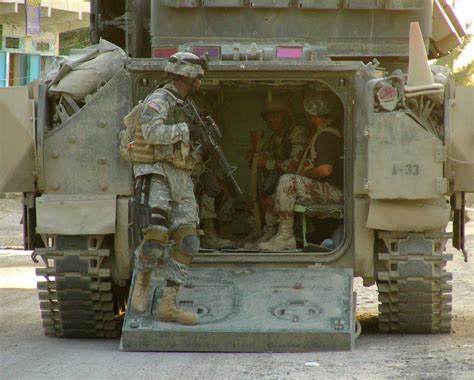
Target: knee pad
{"type": "Point", "coordinates": [158, 235]}
{"type": "Point", "coordinates": [149, 245]}
{"type": "Point", "coordinates": [190, 245]}
{"type": "Point", "coordinates": [186, 244]}
{"type": "Point", "coordinates": [149, 251]}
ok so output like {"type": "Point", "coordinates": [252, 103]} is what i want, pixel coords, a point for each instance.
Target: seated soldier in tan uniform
{"type": "Point", "coordinates": [281, 154]}
{"type": "Point", "coordinates": [319, 177]}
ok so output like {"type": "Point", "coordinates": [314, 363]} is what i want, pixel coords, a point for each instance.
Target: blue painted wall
{"type": "Point", "coordinates": [34, 67]}
{"type": "Point", "coordinates": [3, 69]}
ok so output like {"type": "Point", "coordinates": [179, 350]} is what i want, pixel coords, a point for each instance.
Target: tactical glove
{"type": "Point", "coordinates": [194, 132]}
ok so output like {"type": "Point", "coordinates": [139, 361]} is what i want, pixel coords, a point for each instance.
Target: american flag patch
{"type": "Point", "coordinates": [154, 106]}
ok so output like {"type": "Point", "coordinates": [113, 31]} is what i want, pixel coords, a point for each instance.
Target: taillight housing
{"type": "Point", "coordinates": [213, 52]}
{"type": "Point", "coordinates": [289, 52]}
{"type": "Point", "coordinates": [164, 52]}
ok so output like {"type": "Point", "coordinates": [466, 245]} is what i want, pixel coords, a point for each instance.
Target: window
{"type": "Point", "coordinates": [42, 46]}
{"type": "Point", "coordinates": [12, 43]}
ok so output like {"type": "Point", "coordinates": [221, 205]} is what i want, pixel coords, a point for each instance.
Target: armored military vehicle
{"type": "Point", "coordinates": [408, 162]}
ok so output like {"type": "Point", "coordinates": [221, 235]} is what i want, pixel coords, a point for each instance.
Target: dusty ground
{"type": "Point", "coordinates": [11, 232]}
{"type": "Point", "coordinates": [26, 353]}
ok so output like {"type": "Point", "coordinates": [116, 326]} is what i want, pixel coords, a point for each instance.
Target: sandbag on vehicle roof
{"type": "Point", "coordinates": [81, 73]}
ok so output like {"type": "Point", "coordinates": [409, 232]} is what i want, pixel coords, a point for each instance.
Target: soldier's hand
{"type": "Point", "coordinates": [262, 160]}
{"type": "Point", "coordinates": [249, 155]}
{"type": "Point", "coordinates": [194, 132]}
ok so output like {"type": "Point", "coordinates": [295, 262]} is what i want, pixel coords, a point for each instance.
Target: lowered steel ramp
{"type": "Point", "coordinates": [252, 310]}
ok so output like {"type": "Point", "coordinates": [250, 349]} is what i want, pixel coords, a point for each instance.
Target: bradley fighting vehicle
{"type": "Point", "coordinates": [408, 162]}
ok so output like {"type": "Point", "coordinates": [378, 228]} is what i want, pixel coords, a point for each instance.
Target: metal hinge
{"type": "Point", "coordinates": [440, 153]}
{"type": "Point", "coordinates": [442, 185]}
{"type": "Point", "coordinates": [367, 185]}
{"type": "Point", "coordinates": [367, 132]}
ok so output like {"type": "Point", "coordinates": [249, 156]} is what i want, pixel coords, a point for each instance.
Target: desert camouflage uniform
{"type": "Point", "coordinates": [171, 190]}
{"type": "Point", "coordinates": [285, 150]}
{"type": "Point", "coordinates": [208, 188]}
{"type": "Point", "coordinates": [292, 187]}
{"type": "Point", "coordinates": [284, 153]}
{"type": "Point", "coordinates": [208, 208]}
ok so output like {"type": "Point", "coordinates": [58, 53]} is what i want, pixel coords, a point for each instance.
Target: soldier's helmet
{"type": "Point", "coordinates": [319, 103]}
{"type": "Point", "coordinates": [186, 64]}
{"type": "Point", "coordinates": [276, 104]}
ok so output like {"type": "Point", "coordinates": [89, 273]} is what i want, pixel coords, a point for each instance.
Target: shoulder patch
{"type": "Point", "coordinates": [154, 106]}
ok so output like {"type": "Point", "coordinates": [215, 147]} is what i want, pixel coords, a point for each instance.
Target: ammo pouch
{"type": "Point", "coordinates": [132, 145]}
{"type": "Point", "coordinates": [182, 159]}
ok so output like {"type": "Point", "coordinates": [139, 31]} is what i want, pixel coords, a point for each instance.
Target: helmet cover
{"type": "Point", "coordinates": [186, 64]}
{"type": "Point", "coordinates": [319, 103]}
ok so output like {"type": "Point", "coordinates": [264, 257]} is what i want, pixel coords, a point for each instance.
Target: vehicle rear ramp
{"type": "Point", "coordinates": [252, 310]}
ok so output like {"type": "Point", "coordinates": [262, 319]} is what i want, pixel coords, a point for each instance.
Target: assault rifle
{"type": "Point", "coordinates": [209, 133]}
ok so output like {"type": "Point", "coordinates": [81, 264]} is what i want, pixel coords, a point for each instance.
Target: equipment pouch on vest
{"type": "Point", "coordinates": [181, 156]}
{"type": "Point", "coordinates": [127, 136]}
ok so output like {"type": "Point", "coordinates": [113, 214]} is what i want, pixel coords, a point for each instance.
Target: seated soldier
{"type": "Point", "coordinates": [208, 188]}
{"type": "Point", "coordinates": [211, 188]}
{"type": "Point", "coordinates": [281, 154]}
{"type": "Point", "coordinates": [319, 175]}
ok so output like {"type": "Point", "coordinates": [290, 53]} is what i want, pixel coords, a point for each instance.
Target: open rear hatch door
{"type": "Point", "coordinates": [251, 310]}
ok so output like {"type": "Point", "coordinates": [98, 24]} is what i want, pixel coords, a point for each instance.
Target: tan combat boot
{"type": "Point", "coordinates": [168, 311]}
{"type": "Point", "coordinates": [268, 233]}
{"type": "Point", "coordinates": [140, 291]}
{"type": "Point", "coordinates": [284, 239]}
{"type": "Point", "coordinates": [211, 239]}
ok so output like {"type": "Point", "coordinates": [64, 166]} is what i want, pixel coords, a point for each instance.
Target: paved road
{"type": "Point", "coordinates": [26, 353]}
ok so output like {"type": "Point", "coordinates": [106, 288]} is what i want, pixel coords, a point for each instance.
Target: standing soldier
{"type": "Point", "coordinates": [280, 155]}
{"type": "Point", "coordinates": [320, 174]}
{"type": "Point", "coordinates": [164, 141]}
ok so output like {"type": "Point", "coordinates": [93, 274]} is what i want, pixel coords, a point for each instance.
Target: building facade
{"type": "Point", "coordinates": [23, 57]}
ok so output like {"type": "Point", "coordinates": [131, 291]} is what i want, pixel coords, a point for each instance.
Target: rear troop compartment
{"type": "Point", "coordinates": [235, 94]}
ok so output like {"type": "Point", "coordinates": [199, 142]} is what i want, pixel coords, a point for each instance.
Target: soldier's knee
{"type": "Point", "coordinates": [285, 181]}
{"type": "Point", "coordinates": [153, 242]}
{"type": "Point", "coordinates": [149, 247]}
{"type": "Point", "coordinates": [186, 244]}
{"type": "Point", "coordinates": [156, 235]}
{"type": "Point", "coordinates": [190, 245]}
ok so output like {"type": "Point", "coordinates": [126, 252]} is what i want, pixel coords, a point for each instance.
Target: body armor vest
{"type": "Point", "coordinates": [149, 153]}
{"type": "Point", "coordinates": [310, 154]}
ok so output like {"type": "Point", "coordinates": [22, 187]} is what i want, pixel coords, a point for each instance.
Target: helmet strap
{"type": "Point", "coordinates": [184, 85]}
{"type": "Point", "coordinates": [194, 87]}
